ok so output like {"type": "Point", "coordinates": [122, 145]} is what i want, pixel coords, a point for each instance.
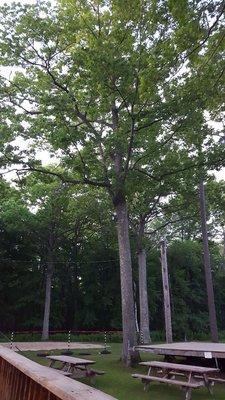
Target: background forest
{"type": "Point", "coordinates": [78, 234]}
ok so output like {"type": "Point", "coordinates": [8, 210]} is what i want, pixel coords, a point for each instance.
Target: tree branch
{"type": "Point", "coordinates": [209, 31]}
{"type": "Point", "coordinates": [63, 178]}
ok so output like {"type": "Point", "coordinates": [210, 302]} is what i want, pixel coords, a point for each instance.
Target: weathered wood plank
{"type": "Point", "coordinates": [179, 367]}
{"type": "Point", "coordinates": [193, 385]}
{"type": "Point", "coordinates": [23, 379]}
{"type": "Point", "coordinates": [192, 349]}
{"type": "Point", "coordinates": [71, 360]}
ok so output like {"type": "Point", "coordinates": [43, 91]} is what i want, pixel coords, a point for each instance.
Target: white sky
{"type": "Point", "coordinates": [15, 1]}
{"type": "Point", "coordinates": [44, 154]}
{"type": "Point", "coordinates": [21, 1]}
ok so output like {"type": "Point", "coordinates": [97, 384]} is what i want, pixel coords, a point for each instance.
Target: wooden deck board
{"type": "Point", "coordinates": [194, 349]}
{"type": "Point", "coordinates": [45, 379]}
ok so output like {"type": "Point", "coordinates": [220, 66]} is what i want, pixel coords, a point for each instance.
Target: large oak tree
{"type": "Point", "coordinates": [107, 85]}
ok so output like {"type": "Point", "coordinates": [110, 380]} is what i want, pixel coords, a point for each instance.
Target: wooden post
{"type": "Point", "coordinates": [105, 340]}
{"type": "Point", "coordinates": [136, 309]}
{"type": "Point", "coordinates": [143, 296]}
{"type": "Point", "coordinates": [223, 244]}
{"type": "Point", "coordinates": [11, 341]}
{"type": "Point", "coordinates": [166, 292]}
{"type": "Point", "coordinates": [207, 265]}
{"type": "Point", "coordinates": [69, 340]}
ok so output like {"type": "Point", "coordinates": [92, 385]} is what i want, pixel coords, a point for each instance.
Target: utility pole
{"type": "Point", "coordinates": [166, 292]}
{"type": "Point", "coordinates": [207, 265]}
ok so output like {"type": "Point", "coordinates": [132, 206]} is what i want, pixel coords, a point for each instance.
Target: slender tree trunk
{"type": "Point", "coordinates": [208, 272]}
{"type": "Point", "coordinates": [143, 297]}
{"type": "Point", "coordinates": [48, 287]}
{"type": "Point", "coordinates": [166, 293]}
{"type": "Point", "coordinates": [128, 311]}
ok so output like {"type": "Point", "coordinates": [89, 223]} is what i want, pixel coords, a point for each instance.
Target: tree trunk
{"type": "Point", "coordinates": [48, 287]}
{"type": "Point", "coordinates": [208, 272]}
{"type": "Point", "coordinates": [143, 297]}
{"type": "Point", "coordinates": [166, 293]}
{"type": "Point", "coordinates": [129, 356]}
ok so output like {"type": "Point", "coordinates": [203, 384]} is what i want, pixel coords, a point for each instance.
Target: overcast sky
{"type": "Point", "coordinates": [44, 155]}
{"type": "Point", "coordinates": [21, 1]}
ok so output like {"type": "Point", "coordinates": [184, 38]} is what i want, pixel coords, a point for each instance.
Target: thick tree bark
{"type": "Point", "coordinates": [129, 356]}
{"type": "Point", "coordinates": [48, 288]}
{"type": "Point", "coordinates": [143, 297]}
{"type": "Point", "coordinates": [207, 265]}
{"type": "Point", "coordinates": [166, 293]}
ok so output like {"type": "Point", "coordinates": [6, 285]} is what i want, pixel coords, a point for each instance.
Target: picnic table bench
{"type": "Point", "coordinates": [75, 367]}
{"type": "Point", "coordinates": [64, 373]}
{"type": "Point", "coordinates": [165, 372]}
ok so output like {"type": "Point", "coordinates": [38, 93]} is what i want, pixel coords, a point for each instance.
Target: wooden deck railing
{"type": "Point", "coordinates": [23, 379]}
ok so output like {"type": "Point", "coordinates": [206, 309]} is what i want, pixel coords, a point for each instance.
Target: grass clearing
{"type": "Point", "coordinates": [118, 381]}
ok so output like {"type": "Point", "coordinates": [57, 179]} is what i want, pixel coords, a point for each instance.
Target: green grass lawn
{"type": "Point", "coordinates": [118, 381]}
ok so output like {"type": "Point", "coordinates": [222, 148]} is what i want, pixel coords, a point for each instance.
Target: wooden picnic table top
{"type": "Point", "coordinates": [186, 349]}
{"type": "Point", "coordinates": [179, 367]}
{"type": "Point", "coordinates": [71, 360]}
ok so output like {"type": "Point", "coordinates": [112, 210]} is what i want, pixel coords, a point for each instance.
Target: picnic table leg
{"type": "Point", "coordinates": [166, 373]}
{"type": "Point", "coordinates": [51, 364]}
{"type": "Point", "coordinates": [208, 384]}
{"type": "Point", "coordinates": [146, 383]}
{"type": "Point", "coordinates": [73, 371]}
{"type": "Point", "coordinates": [90, 374]}
{"type": "Point", "coordinates": [65, 367]}
{"type": "Point", "coordinates": [188, 391]}
{"type": "Point", "coordinates": [188, 394]}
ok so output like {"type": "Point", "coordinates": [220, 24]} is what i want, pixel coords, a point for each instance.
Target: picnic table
{"type": "Point", "coordinates": [75, 367]}
{"type": "Point", "coordinates": [193, 376]}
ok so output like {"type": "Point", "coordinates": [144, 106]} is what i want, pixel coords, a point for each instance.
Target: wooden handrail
{"type": "Point", "coordinates": [23, 379]}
